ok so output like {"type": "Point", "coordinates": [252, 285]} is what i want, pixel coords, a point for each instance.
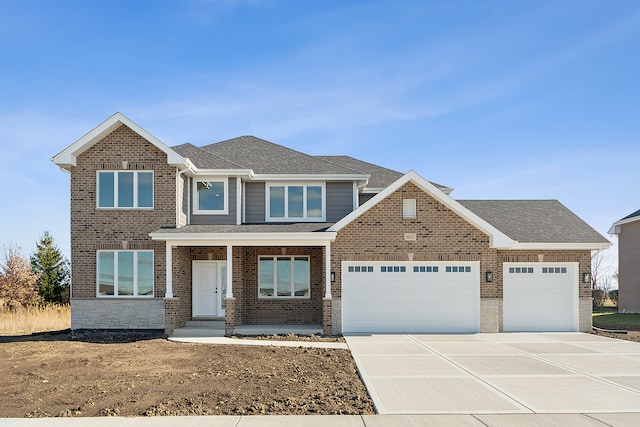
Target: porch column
{"type": "Point", "coordinates": [168, 293]}
{"type": "Point", "coordinates": [327, 262]}
{"type": "Point", "coordinates": [229, 271]}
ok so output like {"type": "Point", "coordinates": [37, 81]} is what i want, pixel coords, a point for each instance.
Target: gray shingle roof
{"type": "Point", "coordinates": [265, 157]}
{"type": "Point", "coordinates": [298, 227]}
{"type": "Point", "coordinates": [203, 159]}
{"type": "Point", "coordinates": [535, 221]}
{"type": "Point", "coordinates": [380, 177]}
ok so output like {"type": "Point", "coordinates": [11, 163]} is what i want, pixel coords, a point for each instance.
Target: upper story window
{"type": "Point", "coordinates": [125, 273]}
{"type": "Point", "coordinates": [210, 196]}
{"type": "Point", "coordinates": [125, 189]}
{"type": "Point", "coordinates": [296, 202]}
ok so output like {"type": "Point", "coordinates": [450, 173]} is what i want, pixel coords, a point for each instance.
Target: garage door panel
{"type": "Point", "coordinates": [410, 301]}
{"type": "Point", "coordinates": [540, 297]}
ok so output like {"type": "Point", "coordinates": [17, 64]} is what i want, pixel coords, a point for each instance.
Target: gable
{"type": "Point", "coordinates": [497, 239]}
{"type": "Point", "coordinates": [615, 228]}
{"type": "Point", "coordinates": [67, 157]}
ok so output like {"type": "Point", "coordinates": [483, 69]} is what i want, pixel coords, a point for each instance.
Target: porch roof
{"type": "Point", "coordinates": [247, 234]}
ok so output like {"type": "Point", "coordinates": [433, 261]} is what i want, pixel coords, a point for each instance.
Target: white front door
{"type": "Point", "coordinates": [209, 288]}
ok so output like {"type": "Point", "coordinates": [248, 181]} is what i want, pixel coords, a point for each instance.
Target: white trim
{"type": "Point", "coordinates": [497, 238]}
{"type": "Point", "coordinates": [327, 272]}
{"type": "Point", "coordinates": [615, 228]}
{"type": "Point", "coordinates": [219, 298]}
{"type": "Point", "coordinates": [239, 200]}
{"type": "Point", "coordinates": [223, 172]}
{"type": "Point", "coordinates": [291, 277]}
{"type": "Point", "coordinates": [286, 185]}
{"type": "Point", "coordinates": [246, 239]}
{"type": "Point", "coordinates": [67, 157]}
{"type": "Point", "coordinates": [561, 246]}
{"type": "Point", "coordinates": [310, 177]}
{"type": "Point", "coordinates": [168, 293]}
{"type": "Point", "coordinates": [194, 189]}
{"type": "Point", "coordinates": [356, 199]}
{"type": "Point", "coordinates": [244, 201]}
{"type": "Point", "coordinates": [229, 272]}
{"type": "Point", "coordinates": [135, 190]}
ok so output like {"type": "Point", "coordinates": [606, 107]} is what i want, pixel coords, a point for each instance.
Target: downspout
{"type": "Point", "coordinates": [179, 199]}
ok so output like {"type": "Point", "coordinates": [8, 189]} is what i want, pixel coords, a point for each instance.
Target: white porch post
{"type": "Point", "coordinates": [327, 255]}
{"type": "Point", "coordinates": [229, 271]}
{"type": "Point", "coordinates": [169, 272]}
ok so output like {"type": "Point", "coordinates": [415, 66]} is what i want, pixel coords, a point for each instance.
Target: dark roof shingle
{"type": "Point", "coordinates": [535, 221]}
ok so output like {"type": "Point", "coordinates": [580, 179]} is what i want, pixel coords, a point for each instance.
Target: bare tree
{"type": "Point", "coordinates": [18, 284]}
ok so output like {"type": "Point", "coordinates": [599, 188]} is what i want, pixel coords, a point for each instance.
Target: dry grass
{"type": "Point", "coordinates": [27, 320]}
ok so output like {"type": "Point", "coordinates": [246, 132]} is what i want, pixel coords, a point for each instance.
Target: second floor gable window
{"type": "Point", "coordinates": [294, 202]}
{"type": "Point", "coordinates": [125, 190]}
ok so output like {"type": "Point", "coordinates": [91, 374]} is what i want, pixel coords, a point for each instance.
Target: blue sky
{"type": "Point", "coordinates": [498, 99]}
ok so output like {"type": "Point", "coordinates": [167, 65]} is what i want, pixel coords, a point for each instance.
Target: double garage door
{"type": "Point", "coordinates": [411, 297]}
{"type": "Point", "coordinates": [444, 297]}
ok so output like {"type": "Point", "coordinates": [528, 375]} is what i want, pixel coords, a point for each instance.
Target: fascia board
{"type": "Point", "coordinates": [310, 177]}
{"type": "Point", "coordinates": [561, 246]}
{"type": "Point", "coordinates": [498, 238]}
{"type": "Point", "coordinates": [67, 157]}
{"type": "Point", "coordinates": [615, 228]}
{"type": "Point", "coordinates": [223, 172]}
{"type": "Point", "coordinates": [245, 239]}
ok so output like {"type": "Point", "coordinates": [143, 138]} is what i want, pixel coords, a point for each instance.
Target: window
{"type": "Point", "coordinates": [125, 273]}
{"type": "Point", "coordinates": [557, 270]}
{"type": "Point", "coordinates": [210, 196]}
{"type": "Point", "coordinates": [283, 277]}
{"type": "Point", "coordinates": [125, 190]}
{"type": "Point", "coordinates": [393, 269]}
{"type": "Point", "coordinates": [360, 269]}
{"type": "Point", "coordinates": [526, 270]}
{"type": "Point", "coordinates": [299, 202]}
{"type": "Point", "coordinates": [425, 269]}
{"type": "Point", "coordinates": [458, 269]}
{"type": "Point", "coordinates": [409, 208]}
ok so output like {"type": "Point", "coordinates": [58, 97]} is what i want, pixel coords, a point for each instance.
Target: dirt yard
{"type": "Point", "coordinates": [52, 375]}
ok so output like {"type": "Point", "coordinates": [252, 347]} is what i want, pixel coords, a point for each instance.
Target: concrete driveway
{"type": "Point", "coordinates": [499, 373]}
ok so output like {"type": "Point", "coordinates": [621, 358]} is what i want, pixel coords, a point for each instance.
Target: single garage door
{"type": "Point", "coordinates": [540, 297]}
{"type": "Point", "coordinates": [411, 297]}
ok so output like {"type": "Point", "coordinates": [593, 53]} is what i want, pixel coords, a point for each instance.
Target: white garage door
{"type": "Point", "coordinates": [540, 297]}
{"type": "Point", "coordinates": [410, 297]}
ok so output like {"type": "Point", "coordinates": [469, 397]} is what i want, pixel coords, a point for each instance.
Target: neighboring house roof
{"type": "Point", "coordinates": [267, 158]}
{"type": "Point", "coordinates": [536, 221]}
{"type": "Point", "coordinates": [615, 228]}
{"type": "Point", "coordinates": [67, 157]}
{"type": "Point", "coordinates": [497, 238]}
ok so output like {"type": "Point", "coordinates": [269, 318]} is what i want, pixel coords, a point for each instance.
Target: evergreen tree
{"type": "Point", "coordinates": [52, 268]}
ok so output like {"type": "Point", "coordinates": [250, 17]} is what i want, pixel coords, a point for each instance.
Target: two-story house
{"type": "Point", "coordinates": [258, 234]}
{"type": "Point", "coordinates": [627, 230]}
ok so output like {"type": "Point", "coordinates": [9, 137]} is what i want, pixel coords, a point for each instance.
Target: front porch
{"type": "Point", "coordinates": [273, 283]}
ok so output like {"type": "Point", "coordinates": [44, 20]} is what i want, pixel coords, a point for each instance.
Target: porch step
{"type": "Point", "coordinates": [201, 328]}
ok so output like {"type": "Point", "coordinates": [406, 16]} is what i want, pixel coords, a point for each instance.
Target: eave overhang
{"type": "Point", "coordinates": [67, 157]}
{"type": "Point", "coordinates": [615, 228]}
{"type": "Point", "coordinates": [246, 239]}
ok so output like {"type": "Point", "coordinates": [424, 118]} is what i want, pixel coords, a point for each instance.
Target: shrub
{"type": "Point", "coordinates": [599, 298]}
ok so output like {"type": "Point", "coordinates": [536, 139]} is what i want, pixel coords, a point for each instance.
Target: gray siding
{"type": "Point", "coordinates": [339, 200]}
{"type": "Point", "coordinates": [230, 218]}
{"type": "Point", "coordinates": [255, 202]}
{"type": "Point", "coordinates": [364, 198]}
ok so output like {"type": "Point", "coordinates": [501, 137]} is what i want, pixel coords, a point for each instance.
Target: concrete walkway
{"type": "Point", "coordinates": [571, 373]}
{"type": "Point", "coordinates": [490, 420]}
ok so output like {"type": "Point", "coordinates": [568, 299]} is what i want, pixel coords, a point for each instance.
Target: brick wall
{"type": "Point", "coordinates": [120, 313]}
{"type": "Point", "coordinates": [93, 229]}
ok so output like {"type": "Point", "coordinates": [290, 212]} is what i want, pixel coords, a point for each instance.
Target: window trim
{"type": "Point", "coordinates": [135, 190]}
{"type": "Point", "coordinates": [304, 217]}
{"type": "Point", "coordinates": [196, 208]}
{"type": "Point", "coordinates": [115, 274]}
{"type": "Point", "coordinates": [275, 296]}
